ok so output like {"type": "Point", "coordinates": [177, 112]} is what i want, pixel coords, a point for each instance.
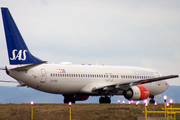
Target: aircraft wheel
{"type": "Point", "coordinates": [101, 99]}
{"type": "Point", "coordinates": [107, 100]}
{"type": "Point", "coordinates": [152, 101]}
{"type": "Point", "coordinates": [104, 100]}
{"type": "Point", "coordinates": [68, 99]}
{"type": "Point", "coordinates": [72, 100]}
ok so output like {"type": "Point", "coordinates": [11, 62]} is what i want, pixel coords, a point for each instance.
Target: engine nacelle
{"type": "Point", "coordinates": [136, 93]}
{"type": "Point", "coordinates": [81, 97]}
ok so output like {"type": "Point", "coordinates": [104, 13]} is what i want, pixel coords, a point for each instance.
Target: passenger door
{"type": "Point", "coordinates": [43, 75]}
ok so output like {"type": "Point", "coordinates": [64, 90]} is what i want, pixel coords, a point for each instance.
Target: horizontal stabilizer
{"type": "Point", "coordinates": [8, 81]}
{"type": "Point", "coordinates": [21, 84]}
{"type": "Point", "coordinates": [27, 67]}
{"type": "Point", "coordinates": [2, 68]}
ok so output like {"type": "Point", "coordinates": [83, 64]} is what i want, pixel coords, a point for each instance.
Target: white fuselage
{"type": "Point", "coordinates": [81, 79]}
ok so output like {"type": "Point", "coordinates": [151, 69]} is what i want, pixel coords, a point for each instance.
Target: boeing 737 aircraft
{"type": "Point", "coordinates": [77, 82]}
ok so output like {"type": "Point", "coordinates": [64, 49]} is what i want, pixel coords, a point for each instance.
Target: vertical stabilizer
{"type": "Point", "coordinates": [17, 50]}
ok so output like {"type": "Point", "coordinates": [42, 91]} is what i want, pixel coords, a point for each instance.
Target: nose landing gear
{"type": "Point", "coordinates": [152, 100]}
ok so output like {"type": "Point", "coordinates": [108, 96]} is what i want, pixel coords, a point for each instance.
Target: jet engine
{"type": "Point", "coordinates": [136, 93]}
{"type": "Point", "coordinates": [81, 97]}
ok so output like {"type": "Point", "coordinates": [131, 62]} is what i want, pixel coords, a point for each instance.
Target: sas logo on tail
{"type": "Point", "coordinates": [61, 71]}
{"type": "Point", "coordinates": [21, 55]}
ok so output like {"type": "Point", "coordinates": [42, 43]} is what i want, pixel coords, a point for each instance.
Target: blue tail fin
{"type": "Point", "coordinates": [17, 49]}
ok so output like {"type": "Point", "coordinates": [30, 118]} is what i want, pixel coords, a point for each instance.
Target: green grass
{"type": "Point", "coordinates": [79, 111]}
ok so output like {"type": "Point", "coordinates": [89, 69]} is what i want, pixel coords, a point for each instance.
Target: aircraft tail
{"type": "Point", "coordinates": [17, 50]}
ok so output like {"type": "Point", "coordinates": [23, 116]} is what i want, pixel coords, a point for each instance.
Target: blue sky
{"type": "Point", "coordinates": [121, 33]}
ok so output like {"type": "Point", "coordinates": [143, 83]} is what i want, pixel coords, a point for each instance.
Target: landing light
{"type": "Point", "coordinates": [167, 104]}
{"type": "Point", "coordinates": [137, 103]}
{"type": "Point", "coordinates": [170, 101]}
{"type": "Point", "coordinates": [155, 103]}
{"type": "Point", "coordinates": [165, 98]}
{"type": "Point", "coordinates": [32, 103]}
{"type": "Point", "coordinates": [145, 101]}
{"type": "Point", "coordinates": [70, 103]}
{"type": "Point", "coordinates": [146, 104]}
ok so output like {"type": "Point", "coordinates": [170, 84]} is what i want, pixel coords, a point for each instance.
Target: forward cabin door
{"type": "Point", "coordinates": [43, 75]}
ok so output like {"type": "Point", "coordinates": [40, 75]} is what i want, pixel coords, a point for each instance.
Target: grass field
{"type": "Point", "coordinates": [79, 111]}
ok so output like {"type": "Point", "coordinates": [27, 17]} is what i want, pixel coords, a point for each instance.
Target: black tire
{"type": "Point", "coordinates": [104, 100]}
{"type": "Point", "coordinates": [152, 101]}
{"type": "Point", "coordinates": [107, 100]}
{"type": "Point", "coordinates": [72, 100]}
{"type": "Point", "coordinates": [66, 100]}
{"type": "Point", "coordinates": [101, 99]}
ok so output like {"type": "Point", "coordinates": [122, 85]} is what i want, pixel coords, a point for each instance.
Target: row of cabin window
{"type": "Point", "coordinates": [136, 77]}
{"type": "Point", "coordinates": [83, 75]}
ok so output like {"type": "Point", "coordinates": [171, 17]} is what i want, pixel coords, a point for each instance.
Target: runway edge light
{"type": "Point", "coordinates": [32, 103]}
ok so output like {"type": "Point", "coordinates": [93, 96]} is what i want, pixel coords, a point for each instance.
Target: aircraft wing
{"type": "Point", "coordinates": [128, 84]}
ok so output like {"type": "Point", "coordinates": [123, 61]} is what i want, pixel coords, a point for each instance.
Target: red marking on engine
{"type": "Point", "coordinates": [144, 92]}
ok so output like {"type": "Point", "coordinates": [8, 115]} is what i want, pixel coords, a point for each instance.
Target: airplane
{"type": "Point", "coordinates": [77, 82]}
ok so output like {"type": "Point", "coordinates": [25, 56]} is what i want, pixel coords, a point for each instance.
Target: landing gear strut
{"type": "Point", "coordinates": [69, 98]}
{"type": "Point", "coordinates": [152, 100]}
{"type": "Point", "coordinates": [104, 100]}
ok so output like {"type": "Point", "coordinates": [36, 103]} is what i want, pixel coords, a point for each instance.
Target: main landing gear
{"type": "Point", "coordinates": [69, 98]}
{"type": "Point", "coordinates": [104, 100]}
{"type": "Point", "coordinates": [152, 100]}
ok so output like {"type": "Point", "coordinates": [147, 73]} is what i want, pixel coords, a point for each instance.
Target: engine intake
{"type": "Point", "coordinates": [136, 93]}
